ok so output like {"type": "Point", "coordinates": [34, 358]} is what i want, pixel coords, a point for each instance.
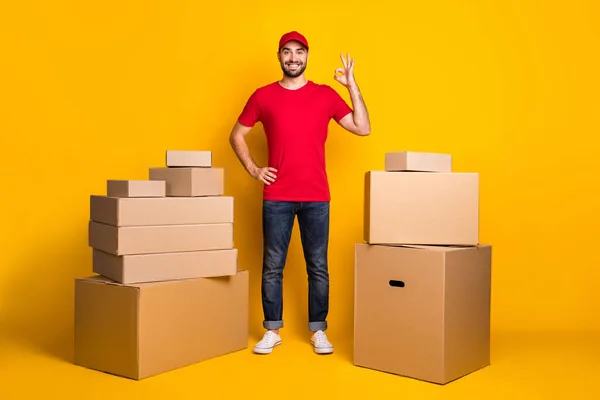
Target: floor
{"type": "Point", "coordinates": [524, 366]}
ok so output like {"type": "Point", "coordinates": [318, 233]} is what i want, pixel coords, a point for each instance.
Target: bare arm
{"type": "Point", "coordinates": [358, 121]}
{"type": "Point", "coordinates": [238, 143]}
{"type": "Point", "coordinates": [239, 146]}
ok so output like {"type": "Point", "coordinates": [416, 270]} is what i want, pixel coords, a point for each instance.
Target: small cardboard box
{"type": "Point", "coordinates": [418, 161]}
{"type": "Point", "coordinates": [190, 182]}
{"type": "Point", "coordinates": [424, 311]}
{"type": "Point", "coordinates": [140, 268]}
{"type": "Point", "coordinates": [135, 188]}
{"type": "Point", "coordinates": [126, 240]}
{"type": "Point", "coordinates": [189, 158]}
{"type": "Point", "coordinates": [161, 211]}
{"type": "Point", "coordinates": [421, 208]}
{"type": "Point", "coordinates": [141, 330]}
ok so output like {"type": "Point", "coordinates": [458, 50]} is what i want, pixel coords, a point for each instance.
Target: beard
{"type": "Point", "coordinates": [293, 73]}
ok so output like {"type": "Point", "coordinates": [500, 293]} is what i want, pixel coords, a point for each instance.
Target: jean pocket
{"type": "Point", "coordinates": [277, 207]}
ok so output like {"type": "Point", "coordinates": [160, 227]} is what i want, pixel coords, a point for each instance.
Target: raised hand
{"type": "Point", "coordinates": [345, 75]}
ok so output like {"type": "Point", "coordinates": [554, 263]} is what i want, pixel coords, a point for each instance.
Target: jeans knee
{"type": "Point", "coordinates": [319, 283]}
{"type": "Point", "coordinates": [316, 259]}
{"type": "Point", "coordinates": [318, 271]}
{"type": "Point", "coordinates": [273, 264]}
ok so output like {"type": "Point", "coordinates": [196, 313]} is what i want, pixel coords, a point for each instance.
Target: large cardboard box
{"type": "Point", "coordinates": [421, 208]}
{"type": "Point", "coordinates": [422, 311]}
{"type": "Point", "coordinates": [161, 211]}
{"type": "Point", "coordinates": [418, 161]}
{"type": "Point", "coordinates": [159, 238]}
{"type": "Point", "coordinates": [139, 268]}
{"type": "Point", "coordinates": [190, 182]}
{"type": "Point", "coordinates": [189, 158]}
{"type": "Point", "coordinates": [135, 188]}
{"type": "Point", "coordinates": [141, 330]}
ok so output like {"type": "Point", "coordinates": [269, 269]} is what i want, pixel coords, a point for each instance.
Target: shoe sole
{"type": "Point", "coordinates": [266, 351]}
{"type": "Point", "coordinates": [326, 350]}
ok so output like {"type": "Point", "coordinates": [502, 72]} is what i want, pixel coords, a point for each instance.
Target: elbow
{"type": "Point", "coordinates": [364, 131]}
{"type": "Point", "coordinates": [362, 127]}
{"type": "Point", "coordinates": [233, 142]}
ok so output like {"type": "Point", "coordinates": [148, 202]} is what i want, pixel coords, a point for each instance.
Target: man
{"type": "Point", "coordinates": [295, 113]}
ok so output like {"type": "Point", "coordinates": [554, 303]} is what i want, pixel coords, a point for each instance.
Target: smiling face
{"type": "Point", "coordinates": [293, 57]}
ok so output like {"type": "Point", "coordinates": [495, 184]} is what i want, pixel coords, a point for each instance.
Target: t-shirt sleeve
{"type": "Point", "coordinates": [250, 115]}
{"type": "Point", "coordinates": [338, 106]}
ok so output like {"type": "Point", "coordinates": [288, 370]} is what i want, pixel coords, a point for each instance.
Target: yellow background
{"type": "Point", "coordinates": [91, 91]}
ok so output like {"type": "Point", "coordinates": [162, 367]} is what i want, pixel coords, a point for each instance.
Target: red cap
{"type": "Point", "coordinates": [293, 36]}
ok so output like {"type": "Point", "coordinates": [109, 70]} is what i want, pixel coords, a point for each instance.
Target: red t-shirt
{"type": "Point", "coordinates": [296, 125]}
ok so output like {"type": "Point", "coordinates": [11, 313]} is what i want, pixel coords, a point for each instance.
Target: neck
{"type": "Point", "coordinates": [293, 83]}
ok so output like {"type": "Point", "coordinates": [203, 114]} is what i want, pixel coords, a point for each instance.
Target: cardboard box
{"type": "Point", "coordinates": [140, 330]}
{"type": "Point", "coordinates": [418, 161]}
{"type": "Point", "coordinates": [161, 211]}
{"type": "Point", "coordinates": [159, 238]}
{"type": "Point", "coordinates": [188, 182]}
{"type": "Point", "coordinates": [189, 158]}
{"type": "Point", "coordinates": [422, 312]}
{"type": "Point", "coordinates": [135, 188]}
{"type": "Point", "coordinates": [421, 208]}
{"type": "Point", "coordinates": [140, 268]}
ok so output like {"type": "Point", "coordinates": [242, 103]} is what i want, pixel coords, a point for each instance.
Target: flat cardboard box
{"type": "Point", "coordinates": [142, 330]}
{"type": "Point", "coordinates": [161, 211]}
{"type": "Point", "coordinates": [159, 238]}
{"type": "Point", "coordinates": [418, 161]}
{"type": "Point", "coordinates": [135, 188]}
{"type": "Point", "coordinates": [139, 268]}
{"type": "Point", "coordinates": [189, 158]}
{"type": "Point", "coordinates": [422, 312]}
{"type": "Point", "coordinates": [421, 208]}
{"type": "Point", "coordinates": [190, 182]}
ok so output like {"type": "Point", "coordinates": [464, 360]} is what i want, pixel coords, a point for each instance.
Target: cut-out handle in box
{"type": "Point", "coordinates": [395, 283]}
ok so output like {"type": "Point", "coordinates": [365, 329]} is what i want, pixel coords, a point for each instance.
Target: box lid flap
{"type": "Point", "coordinates": [440, 248]}
{"type": "Point", "coordinates": [102, 280]}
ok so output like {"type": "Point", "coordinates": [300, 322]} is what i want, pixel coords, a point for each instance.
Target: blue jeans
{"type": "Point", "coordinates": [278, 221]}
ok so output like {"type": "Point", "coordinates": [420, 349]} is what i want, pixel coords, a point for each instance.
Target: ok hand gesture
{"type": "Point", "coordinates": [347, 73]}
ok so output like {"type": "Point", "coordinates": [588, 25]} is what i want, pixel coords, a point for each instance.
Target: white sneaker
{"type": "Point", "coordinates": [320, 343]}
{"type": "Point", "coordinates": [267, 343]}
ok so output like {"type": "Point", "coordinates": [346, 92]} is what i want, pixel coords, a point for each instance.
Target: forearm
{"type": "Point", "coordinates": [360, 115]}
{"type": "Point", "coordinates": [243, 154]}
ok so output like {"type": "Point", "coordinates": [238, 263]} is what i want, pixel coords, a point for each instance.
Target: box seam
{"type": "Point", "coordinates": [444, 293]}
{"type": "Point", "coordinates": [137, 335]}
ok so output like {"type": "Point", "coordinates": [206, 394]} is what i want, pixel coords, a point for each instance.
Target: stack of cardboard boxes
{"type": "Point", "coordinates": [168, 291]}
{"type": "Point", "coordinates": [422, 279]}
